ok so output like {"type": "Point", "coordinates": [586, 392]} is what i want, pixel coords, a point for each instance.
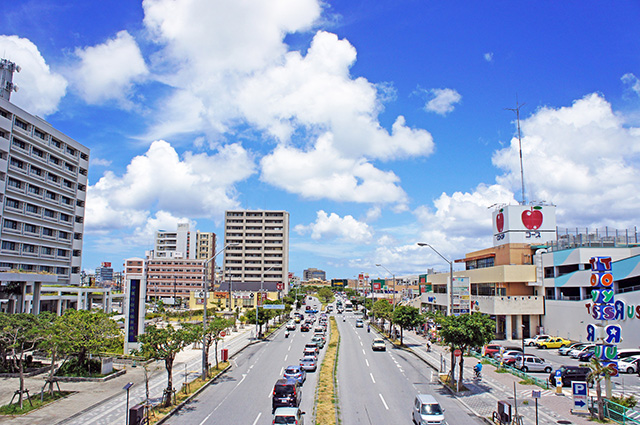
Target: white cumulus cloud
{"type": "Point", "coordinates": [196, 185]}
{"type": "Point", "coordinates": [109, 70]}
{"type": "Point", "coordinates": [632, 81]}
{"type": "Point", "coordinates": [332, 225]}
{"type": "Point", "coordinates": [39, 89]}
{"type": "Point", "coordinates": [442, 101]}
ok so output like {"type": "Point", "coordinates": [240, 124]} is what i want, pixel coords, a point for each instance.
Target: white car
{"type": "Point", "coordinates": [628, 364]}
{"type": "Point", "coordinates": [576, 353]}
{"type": "Point", "coordinates": [531, 342]}
{"type": "Point", "coordinates": [530, 363]}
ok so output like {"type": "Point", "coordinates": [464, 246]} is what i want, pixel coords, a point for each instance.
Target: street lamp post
{"type": "Point", "coordinates": [258, 301]}
{"type": "Point", "coordinates": [394, 289]}
{"type": "Point", "coordinates": [205, 360]}
{"type": "Point", "coordinates": [450, 309]}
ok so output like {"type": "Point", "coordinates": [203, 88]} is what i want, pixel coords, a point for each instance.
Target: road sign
{"type": "Point", "coordinates": [580, 393]}
{"type": "Point", "coordinates": [457, 353]}
{"type": "Point", "coordinates": [558, 373]}
{"type": "Point", "coordinates": [535, 394]}
{"type": "Point", "coordinates": [273, 306]}
{"type": "Point", "coordinates": [222, 333]}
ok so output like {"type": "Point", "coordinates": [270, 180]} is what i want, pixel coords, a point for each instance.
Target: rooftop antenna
{"type": "Point", "coordinates": [517, 111]}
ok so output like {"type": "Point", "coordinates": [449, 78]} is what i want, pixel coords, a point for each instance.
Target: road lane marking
{"type": "Point", "coordinates": [286, 357]}
{"type": "Point", "coordinates": [371, 375]}
{"type": "Point", "coordinates": [256, 421]}
{"type": "Point", "coordinates": [361, 344]}
{"type": "Point", "coordinates": [364, 352]}
{"type": "Point", "coordinates": [367, 362]}
{"type": "Point", "coordinates": [383, 402]}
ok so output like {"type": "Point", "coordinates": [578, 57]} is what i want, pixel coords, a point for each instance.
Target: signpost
{"type": "Point", "coordinates": [580, 392]}
{"type": "Point", "coordinates": [536, 395]}
{"type": "Point", "coordinates": [558, 382]}
{"type": "Point", "coordinates": [273, 306]}
{"type": "Point", "coordinates": [457, 352]}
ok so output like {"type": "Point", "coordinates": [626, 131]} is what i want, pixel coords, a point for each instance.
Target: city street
{"type": "Point", "coordinates": [377, 387]}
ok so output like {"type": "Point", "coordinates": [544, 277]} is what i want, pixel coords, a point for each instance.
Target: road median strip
{"type": "Point", "coordinates": [326, 408]}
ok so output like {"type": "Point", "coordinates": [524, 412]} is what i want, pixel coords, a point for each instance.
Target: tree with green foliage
{"type": "Point", "coordinates": [465, 331]}
{"type": "Point", "coordinates": [20, 333]}
{"type": "Point", "coordinates": [406, 317]}
{"type": "Point", "coordinates": [597, 374]}
{"type": "Point", "coordinates": [263, 317]}
{"type": "Point", "coordinates": [382, 310]}
{"type": "Point", "coordinates": [212, 334]}
{"type": "Point", "coordinates": [53, 341]}
{"type": "Point", "coordinates": [325, 295]}
{"type": "Point", "coordinates": [163, 344]}
{"type": "Point", "coordinates": [88, 332]}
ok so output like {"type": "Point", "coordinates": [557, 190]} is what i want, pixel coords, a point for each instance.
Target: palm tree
{"type": "Point", "coordinates": [597, 374]}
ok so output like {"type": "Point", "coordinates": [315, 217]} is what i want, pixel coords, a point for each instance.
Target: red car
{"type": "Point", "coordinates": [491, 349]}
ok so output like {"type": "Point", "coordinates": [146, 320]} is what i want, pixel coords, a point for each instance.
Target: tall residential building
{"type": "Point", "coordinates": [184, 243]}
{"type": "Point", "coordinates": [43, 187]}
{"type": "Point", "coordinates": [262, 250]}
{"type": "Point", "coordinates": [104, 273]}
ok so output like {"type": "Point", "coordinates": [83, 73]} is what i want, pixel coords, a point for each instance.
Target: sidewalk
{"type": "Point", "coordinates": [483, 396]}
{"type": "Point", "coordinates": [89, 396]}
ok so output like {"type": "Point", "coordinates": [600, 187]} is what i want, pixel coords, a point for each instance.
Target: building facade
{"type": "Point", "coordinates": [43, 188]}
{"type": "Point", "coordinates": [311, 273]}
{"type": "Point", "coordinates": [261, 253]}
{"type": "Point", "coordinates": [104, 274]}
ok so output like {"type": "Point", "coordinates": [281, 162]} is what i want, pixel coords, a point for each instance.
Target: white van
{"type": "Point", "coordinates": [426, 410]}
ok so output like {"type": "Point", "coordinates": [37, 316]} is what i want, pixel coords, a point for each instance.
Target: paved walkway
{"type": "Point", "coordinates": [105, 401]}
{"type": "Point", "coordinates": [483, 397]}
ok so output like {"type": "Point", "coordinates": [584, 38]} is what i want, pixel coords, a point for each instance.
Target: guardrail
{"type": "Point", "coordinates": [616, 412]}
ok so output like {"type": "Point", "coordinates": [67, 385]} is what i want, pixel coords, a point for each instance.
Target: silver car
{"type": "Point", "coordinates": [308, 363]}
{"type": "Point", "coordinates": [530, 363]}
{"type": "Point", "coordinates": [426, 410]}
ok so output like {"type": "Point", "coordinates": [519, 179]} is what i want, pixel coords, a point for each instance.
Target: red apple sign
{"type": "Point", "coordinates": [500, 221]}
{"type": "Point", "coordinates": [532, 219]}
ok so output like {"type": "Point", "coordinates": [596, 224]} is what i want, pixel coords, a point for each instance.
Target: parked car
{"type": "Point", "coordinates": [628, 364]}
{"type": "Point", "coordinates": [378, 345]}
{"type": "Point", "coordinates": [295, 372]}
{"type": "Point", "coordinates": [576, 353]}
{"type": "Point", "coordinates": [288, 415]}
{"type": "Point", "coordinates": [586, 355]}
{"type": "Point", "coordinates": [564, 351]}
{"type": "Point", "coordinates": [509, 357]}
{"type": "Point", "coordinates": [426, 410]}
{"type": "Point", "coordinates": [538, 338]}
{"type": "Point", "coordinates": [529, 363]}
{"type": "Point", "coordinates": [491, 349]}
{"type": "Point", "coordinates": [556, 342]}
{"type": "Point", "coordinates": [309, 363]}
{"type": "Point", "coordinates": [286, 393]}
{"type": "Point", "coordinates": [570, 374]}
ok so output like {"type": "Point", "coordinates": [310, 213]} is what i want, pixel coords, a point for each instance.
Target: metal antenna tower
{"type": "Point", "coordinates": [517, 111]}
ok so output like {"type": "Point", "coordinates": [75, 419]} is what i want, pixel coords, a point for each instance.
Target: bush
{"type": "Point", "coordinates": [73, 368]}
{"type": "Point", "coordinates": [629, 402]}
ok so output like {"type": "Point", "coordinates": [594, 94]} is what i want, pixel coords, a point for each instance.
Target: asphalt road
{"type": "Point", "coordinates": [243, 394]}
{"type": "Point", "coordinates": [379, 387]}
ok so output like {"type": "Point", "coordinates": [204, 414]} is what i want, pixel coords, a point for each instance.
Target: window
{"type": "Point", "coordinates": [17, 184]}
{"type": "Point", "coordinates": [12, 203]}
{"type": "Point", "coordinates": [66, 200]}
{"type": "Point", "coordinates": [69, 167]}
{"type": "Point", "coordinates": [33, 209]}
{"type": "Point", "coordinates": [10, 224]}
{"type": "Point", "coordinates": [39, 134]}
{"type": "Point", "coordinates": [54, 160]}
{"type": "Point", "coordinates": [36, 171]}
{"type": "Point", "coordinates": [37, 152]}
{"type": "Point", "coordinates": [51, 195]}
{"type": "Point", "coordinates": [34, 189]}
{"type": "Point", "coordinates": [56, 143]}
{"type": "Point", "coordinates": [19, 143]}
{"type": "Point", "coordinates": [84, 156]}
{"type": "Point", "coordinates": [71, 151]}
{"type": "Point", "coordinates": [77, 236]}
{"type": "Point", "coordinates": [76, 253]}
{"type": "Point", "coordinates": [9, 246]}
{"type": "Point", "coordinates": [63, 235]}
{"type": "Point", "coordinates": [62, 252]}
{"type": "Point", "coordinates": [28, 248]}
{"type": "Point", "coordinates": [67, 183]}
{"type": "Point", "coordinates": [83, 171]}
{"type": "Point", "coordinates": [79, 219]}
{"type": "Point", "coordinates": [30, 228]}
{"type": "Point", "coordinates": [47, 232]}
{"type": "Point", "coordinates": [50, 213]}
{"type": "Point", "coordinates": [61, 270]}
{"type": "Point", "coordinates": [52, 177]}
{"type": "Point", "coordinates": [17, 163]}
{"type": "Point", "coordinates": [23, 125]}
{"type": "Point", "coordinates": [45, 250]}
{"type": "Point", "coordinates": [65, 217]}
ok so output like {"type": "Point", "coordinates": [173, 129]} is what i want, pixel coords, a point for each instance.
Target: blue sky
{"type": "Point", "coordinates": [375, 124]}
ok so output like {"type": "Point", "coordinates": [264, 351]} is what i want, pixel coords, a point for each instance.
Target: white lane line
{"type": "Point", "coordinates": [256, 421]}
{"type": "Point", "coordinates": [289, 348]}
{"type": "Point", "coordinates": [367, 362]}
{"type": "Point", "coordinates": [383, 402]}
{"type": "Point", "coordinates": [361, 344]}
{"type": "Point", "coordinates": [371, 375]}
{"type": "Point", "coordinates": [364, 352]}
{"type": "Point", "coordinates": [282, 369]}
{"type": "Point", "coordinates": [286, 357]}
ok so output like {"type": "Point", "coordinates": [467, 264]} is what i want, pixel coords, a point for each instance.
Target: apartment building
{"type": "Point", "coordinates": [311, 273]}
{"type": "Point", "coordinates": [173, 278]}
{"type": "Point", "coordinates": [262, 250]}
{"type": "Point", "coordinates": [43, 188]}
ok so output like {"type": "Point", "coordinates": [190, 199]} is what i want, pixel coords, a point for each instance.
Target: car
{"type": "Point", "coordinates": [312, 346]}
{"type": "Point", "coordinates": [295, 372]}
{"type": "Point", "coordinates": [556, 342]}
{"type": "Point", "coordinates": [359, 323]}
{"type": "Point", "coordinates": [310, 352]}
{"type": "Point", "coordinates": [378, 345]}
{"type": "Point", "coordinates": [509, 357]}
{"type": "Point", "coordinates": [628, 364]}
{"type": "Point", "coordinates": [319, 328]}
{"type": "Point", "coordinates": [426, 410]}
{"type": "Point", "coordinates": [304, 327]}
{"type": "Point", "coordinates": [286, 393]}
{"type": "Point", "coordinates": [288, 415]}
{"type": "Point", "coordinates": [570, 374]}
{"type": "Point", "coordinates": [564, 351]}
{"type": "Point", "coordinates": [491, 349]}
{"type": "Point", "coordinates": [297, 319]}
{"type": "Point", "coordinates": [533, 341]}
{"type": "Point", "coordinates": [319, 335]}
{"type": "Point", "coordinates": [291, 326]}
{"type": "Point", "coordinates": [309, 363]}
{"type": "Point", "coordinates": [576, 353]}
{"type": "Point", "coordinates": [318, 341]}
{"type": "Point", "coordinates": [529, 363]}
{"type": "Point", "coordinates": [627, 352]}
{"type": "Point", "coordinates": [586, 355]}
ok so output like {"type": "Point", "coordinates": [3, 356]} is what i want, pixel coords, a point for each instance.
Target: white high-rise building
{"type": "Point", "coordinates": [262, 253]}
{"type": "Point", "coordinates": [184, 243]}
{"type": "Point", "coordinates": [43, 188]}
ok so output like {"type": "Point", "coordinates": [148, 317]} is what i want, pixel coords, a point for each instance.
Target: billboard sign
{"type": "Point", "coordinates": [532, 224]}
